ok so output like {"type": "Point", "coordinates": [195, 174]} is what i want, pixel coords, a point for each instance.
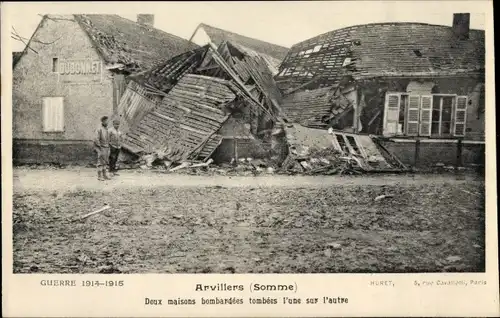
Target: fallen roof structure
{"type": "Point", "coordinates": [319, 107]}
{"type": "Point", "coordinates": [273, 54]}
{"type": "Point", "coordinates": [175, 109]}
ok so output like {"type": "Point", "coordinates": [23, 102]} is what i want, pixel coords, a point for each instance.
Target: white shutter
{"type": "Point", "coordinates": [425, 115]}
{"type": "Point", "coordinates": [391, 114]}
{"type": "Point", "coordinates": [412, 117]}
{"type": "Point", "coordinates": [460, 116]}
{"type": "Point", "coordinates": [47, 116]}
{"type": "Point", "coordinates": [53, 114]}
{"type": "Point", "coordinates": [57, 104]}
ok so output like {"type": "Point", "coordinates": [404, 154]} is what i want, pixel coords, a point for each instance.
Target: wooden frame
{"type": "Point", "coordinates": [421, 110]}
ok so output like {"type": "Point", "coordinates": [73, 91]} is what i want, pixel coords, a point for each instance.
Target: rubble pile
{"type": "Point", "coordinates": [243, 166]}
{"type": "Point", "coordinates": [325, 161]}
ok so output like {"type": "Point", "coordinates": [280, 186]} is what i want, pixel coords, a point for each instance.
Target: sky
{"type": "Point", "coordinates": [280, 22]}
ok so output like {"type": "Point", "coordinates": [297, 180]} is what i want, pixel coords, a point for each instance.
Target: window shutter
{"type": "Point", "coordinates": [391, 118]}
{"type": "Point", "coordinates": [413, 115]}
{"type": "Point", "coordinates": [59, 113]}
{"type": "Point", "coordinates": [425, 115]}
{"type": "Point", "coordinates": [47, 114]}
{"type": "Point", "coordinates": [460, 116]}
{"type": "Point", "coordinates": [53, 114]}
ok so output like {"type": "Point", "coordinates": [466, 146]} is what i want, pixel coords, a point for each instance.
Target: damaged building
{"type": "Point", "coordinates": [211, 102]}
{"type": "Point", "coordinates": [271, 53]}
{"type": "Point", "coordinates": [402, 81]}
{"type": "Point", "coordinates": [74, 70]}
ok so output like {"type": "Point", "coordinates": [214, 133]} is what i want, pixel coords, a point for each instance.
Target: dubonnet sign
{"type": "Point", "coordinates": [80, 70]}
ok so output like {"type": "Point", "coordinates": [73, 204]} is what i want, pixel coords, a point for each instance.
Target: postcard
{"type": "Point", "coordinates": [265, 159]}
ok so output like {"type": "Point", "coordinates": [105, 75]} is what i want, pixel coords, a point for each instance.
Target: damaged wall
{"type": "Point", "coordinates": [86, 97]}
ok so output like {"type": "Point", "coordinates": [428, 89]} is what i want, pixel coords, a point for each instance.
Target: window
{"type": "Point", "coordinates": [55, 64]}
{"type": "Point", "coordinates": [403, 105]}
{"type": "Point", "coordinates": [425, 115]}
{"type": "Point", "coordinates": [442, 115]}
{"type": "Point", "coordinates": [53, 114]}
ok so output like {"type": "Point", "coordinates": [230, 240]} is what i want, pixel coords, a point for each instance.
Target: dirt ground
{"type": "Point", "coordinates": [166, 223]}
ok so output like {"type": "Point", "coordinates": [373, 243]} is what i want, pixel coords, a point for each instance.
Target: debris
{"type": "Point", "coordinates": [335, 246]}
{"type": "Point", "coordinates": [383, 196]}
{"type": "Point", "coordinates": [109, 269]}
{"type": "Point", "coordinates": [328, 252]}
{"type": "Point", "coordinates": [229, 269]}
{"type": "Point", "coordinates": [104, 208]}
{"type": "Point", "coordinates": [167, 163]}
{"type": "Point", "coordinates": [181, 166]}
{"type": "Point", "coordinates": [204, 164]}
{"type": "Point", "coordinates": [149, 159]}
{"type": "Point", "coordinates": [178, 216]}
{"type": "Point", "coordinates": [453, 259]}
{"type": "Point", "coordinates": [476, 194]}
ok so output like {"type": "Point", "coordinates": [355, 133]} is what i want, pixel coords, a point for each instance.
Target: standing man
{"type": "Point", "coordinates": [102, 147]}
{"type": "Point", "coordinates": [115, 143]}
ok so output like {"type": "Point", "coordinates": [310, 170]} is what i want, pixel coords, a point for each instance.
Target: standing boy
{"type": "Point", "coordinates": [102, 147]}
{"type": "Point", "coordinates": [115, 143]}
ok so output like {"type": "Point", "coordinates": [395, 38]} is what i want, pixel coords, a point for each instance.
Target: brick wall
{"type": "Point", "coordinates": [433, 153]}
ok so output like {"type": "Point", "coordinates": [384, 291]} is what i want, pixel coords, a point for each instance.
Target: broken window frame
{"type": "Point", "coordinates": [348, 144]}
{"type": "Point", "coordinates": [420, 127]}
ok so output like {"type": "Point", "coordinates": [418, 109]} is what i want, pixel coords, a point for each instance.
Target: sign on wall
{"type": "Point", "coordinates": [78, 70]}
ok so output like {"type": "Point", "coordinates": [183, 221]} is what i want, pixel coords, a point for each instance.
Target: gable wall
{"type": "Point", "coordinates": [87, 97]}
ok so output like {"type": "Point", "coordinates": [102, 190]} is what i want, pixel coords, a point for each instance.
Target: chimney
{"type": "Point", "coordinates": [461, 25]}
{"type": "Point", "coordinates": [146, 19]}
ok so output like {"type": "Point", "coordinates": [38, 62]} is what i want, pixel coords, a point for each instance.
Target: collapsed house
{"type": "Point", "coordinates": [74, 70]}
{"type": "Point", "coordinates": [218, 102]}
{"type": "Point", "coordinates": [400, 79]}
{"type": "Point", "coordinates": [403, 81]}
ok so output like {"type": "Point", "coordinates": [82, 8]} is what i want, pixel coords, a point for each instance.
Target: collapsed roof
{"type": "Point", "coordinates": [383, 50]}
{"type": "Point", "coordinates": [177, 107]}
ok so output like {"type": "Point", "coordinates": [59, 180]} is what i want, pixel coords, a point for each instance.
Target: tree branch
{"type": "Point", "coordinates": [18, 38]}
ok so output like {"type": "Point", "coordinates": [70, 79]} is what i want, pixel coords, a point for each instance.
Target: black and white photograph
{"type": "Point", "coordinates": [259, 138]}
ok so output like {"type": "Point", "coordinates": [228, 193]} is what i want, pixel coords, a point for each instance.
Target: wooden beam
{"type": "Point", "coordinates": [208, 68]}
{"type": "Point", "coordinates": [374, 117]}
{"type": "Point", "coordinates": [293, 90]}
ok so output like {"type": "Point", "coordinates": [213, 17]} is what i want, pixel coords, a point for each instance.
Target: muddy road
{"type": "Point", "coordinates": [271, 224]}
